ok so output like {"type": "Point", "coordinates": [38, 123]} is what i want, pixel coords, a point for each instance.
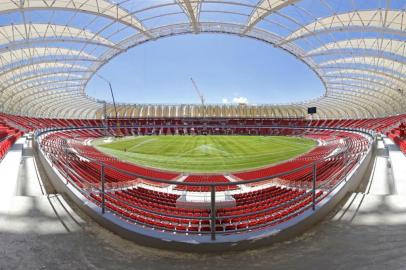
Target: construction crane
{"type": "Point", "coordinates": [114, 103]}
{"type": "Point", "coordinates": [111, 92]}
{"type": "Point", "coordinates": [201, 96]}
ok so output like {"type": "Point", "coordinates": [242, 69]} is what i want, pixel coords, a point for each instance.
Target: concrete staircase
{"type": "Point", "coordinates": [28, 204]}
{"type": "Point", "coordinates": [382, 202]}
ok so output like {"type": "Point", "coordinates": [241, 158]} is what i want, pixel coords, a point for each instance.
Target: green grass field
{"type": "Point", "coordinates": [205, 153]}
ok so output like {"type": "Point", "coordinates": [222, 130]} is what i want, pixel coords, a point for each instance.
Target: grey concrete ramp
{"type": "Point", "coordinates": [48, 214]}
{"type": "Point", "coordinates": [9, 169]}
{"type": "Point", "coordinates": [381, 180]}
{"type": "Point", "coordinates": [398, 165]}
{"type": "Point", "coordinates": [373, 210]}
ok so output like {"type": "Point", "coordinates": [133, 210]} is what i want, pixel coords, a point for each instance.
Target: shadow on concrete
{"type": "Point", "coordinates": [330, 245]}
{"type": "Point", "coordinates": [356, 242]}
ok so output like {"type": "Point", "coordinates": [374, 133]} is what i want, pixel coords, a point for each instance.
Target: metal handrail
{"type": "Point", "coordinates": [202, 184]}
{"type": "Point", "coordinates": [208, 184]}
{"type": "Point", "coordinates": [296, 199]}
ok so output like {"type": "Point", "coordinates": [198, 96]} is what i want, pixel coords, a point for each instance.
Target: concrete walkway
{"type": "Point", "coordinates": [398, 164]}
{"type": "Point", "coordinates": [38, 230]}
{"type": "Point", "coordinates": [9, 169]}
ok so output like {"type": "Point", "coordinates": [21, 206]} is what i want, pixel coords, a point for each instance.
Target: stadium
{"type": "Point", "coordinates": [91, 183]}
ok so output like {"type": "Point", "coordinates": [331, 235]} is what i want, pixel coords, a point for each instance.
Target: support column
{"type": "Point", "coordinates": [102, 188]}
{"type": "Point", "coordinates": [213, 212]}
{"type": "Point", "coordinates": [314, 186]}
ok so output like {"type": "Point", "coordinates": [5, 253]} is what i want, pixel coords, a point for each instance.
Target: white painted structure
{"type": "Point", "coordinates": [49, 50]}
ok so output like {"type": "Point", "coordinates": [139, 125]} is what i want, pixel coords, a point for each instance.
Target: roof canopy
{"type": "Point", "coordinates": [49, 50]}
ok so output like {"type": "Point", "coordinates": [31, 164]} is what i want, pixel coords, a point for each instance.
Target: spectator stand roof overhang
{"type": "Point", "coordinates": [50, 49]}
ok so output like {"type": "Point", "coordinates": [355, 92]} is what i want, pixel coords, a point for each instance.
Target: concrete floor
{"type": "Point", "coordinates": [40, 230]}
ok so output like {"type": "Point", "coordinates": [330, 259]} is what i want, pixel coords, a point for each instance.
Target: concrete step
{"type": "Point", "coordinates": [381, 180]}
{"type": "Point", "coordinates": [398, 165]}
{"type": "Point", "coordinates": [373, 209]}
{"type": "Point", "coordinates": [40, 215]}
{"type": "Point", "coordinates": [9, 168]}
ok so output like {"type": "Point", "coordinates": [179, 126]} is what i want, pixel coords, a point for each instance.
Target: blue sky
{"type": "Point", "coordinates": [226, 68]}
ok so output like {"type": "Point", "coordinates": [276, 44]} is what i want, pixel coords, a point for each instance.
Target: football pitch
{"type": "Point", "coordinates": [205, 154]}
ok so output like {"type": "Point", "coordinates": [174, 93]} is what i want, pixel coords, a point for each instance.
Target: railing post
{"type": "Point", "coordinates": [213, 212]}
{"type": "Point", "coordinates": [66, 169]}
{"type": "Point", "coordinates": [314, 186]}
{"type": "Point", "coordinates": [345, 164]}
{"type": "Point", "coordinates": [102, 188]}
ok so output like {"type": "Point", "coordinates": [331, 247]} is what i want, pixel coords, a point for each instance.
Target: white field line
{"type": "Point", "coordinates": [144, 160]}
{"type": "Point", "coordinates": [288, 142]}
{"type": "Point", "coordinates": [141, 143]}
{"type": "Point", "coordinates": [243, 189]}
{"type": "Point", "coordinates": [203, 147]}
{"type": "Point", "coordinates": [235, 156]}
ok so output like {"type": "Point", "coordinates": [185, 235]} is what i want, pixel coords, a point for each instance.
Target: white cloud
{"type": "Point", "coordinates": [235, 100]}
{"type": "Point", "coordinates": [240, 100]}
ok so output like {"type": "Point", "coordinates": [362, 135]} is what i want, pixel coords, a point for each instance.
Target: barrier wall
{"type": "Point", "coordinates": [246, 240]}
